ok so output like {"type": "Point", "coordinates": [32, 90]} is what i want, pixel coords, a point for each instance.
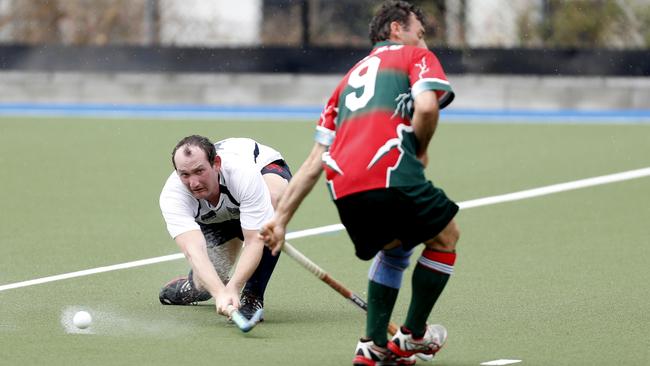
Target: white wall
{"type": "Point", "coordinates": [210, 22]}
{"type": "Point", "coordinates": [493, 23]}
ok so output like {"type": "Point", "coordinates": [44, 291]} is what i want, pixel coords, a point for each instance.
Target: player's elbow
{"type": "Point", "coordinates": [428, 114]}
{"type": "Point", "coordinates": [252, 239]}
{"type": "Point", "coordinates": [187, 251]}
{"type": "Point", "coordinates": [426, 104]}
{"type": "Point", "coordinates": [191, 243]}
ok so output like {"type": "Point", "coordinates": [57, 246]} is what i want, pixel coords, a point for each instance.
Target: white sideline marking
{"type": "Point", "coordinates": [314, 231]}
{"type": "Point", "coordinates": [500, 362]}
{"type": "Point", "coordinates": [515, 196]}
{"type": "Point", "coordinates": [87, 272]}
{"type": "Point", "coordinates": [555, 188]}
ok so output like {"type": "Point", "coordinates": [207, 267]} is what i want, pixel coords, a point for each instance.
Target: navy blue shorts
{"type": "Point", "coordinates": [278, 167]}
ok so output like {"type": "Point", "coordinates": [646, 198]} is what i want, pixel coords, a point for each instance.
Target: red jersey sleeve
{"type": "Point", "coordinates": [426, 73]}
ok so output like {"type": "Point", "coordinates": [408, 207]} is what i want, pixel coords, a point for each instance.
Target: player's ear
{"type": "Point", "coordinates": [217, 162]}
{"type": "Point", "coordinates": [395, 28]}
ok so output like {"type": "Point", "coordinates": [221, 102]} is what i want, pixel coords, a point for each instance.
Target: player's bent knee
{"type": "Point", "coordinates": [446, 240]}
{"type": "Point", "coordinates": [451, 233]}
{"type": "Point", "coordinates": [388, 267]}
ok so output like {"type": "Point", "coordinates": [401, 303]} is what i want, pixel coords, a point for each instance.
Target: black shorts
{"type": "Point", "coordinates": [221, 232]}
{"type": "Point", "coordinates": [412, 215]}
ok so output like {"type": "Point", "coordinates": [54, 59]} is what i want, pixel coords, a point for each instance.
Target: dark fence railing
{"type": "Point", "coordinates": [318, 60]}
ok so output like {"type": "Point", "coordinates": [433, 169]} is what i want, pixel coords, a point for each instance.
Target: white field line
{"type": "Point", "coordinates": [556, 188]}
{"type": "Point", "coordinates": [535, 192]}
{"type": "Point", "coordinates": [86, 272]}
{"type": "Point", "coordinates": [500, 362]}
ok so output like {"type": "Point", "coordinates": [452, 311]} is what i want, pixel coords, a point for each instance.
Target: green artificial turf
{"type": "Point", "coordinates": [553, 280]}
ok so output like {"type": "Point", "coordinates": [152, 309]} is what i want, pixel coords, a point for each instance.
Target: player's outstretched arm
{"type": "Point", "coordinates": [193, 245]}
{"type": "Point", "coordinates": [301, 184]}
{"type": "Point", "coordinates": [248, 261]}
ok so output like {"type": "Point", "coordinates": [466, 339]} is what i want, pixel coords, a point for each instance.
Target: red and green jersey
{"type": "Point", "coordinates": [367, 120]}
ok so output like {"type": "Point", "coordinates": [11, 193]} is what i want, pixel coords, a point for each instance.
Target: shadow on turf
{"type": "Point", "coordinates": [298, 315]}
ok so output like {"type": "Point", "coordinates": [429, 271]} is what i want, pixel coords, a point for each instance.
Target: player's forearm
{"type": "Point", "coordinates": [193, 246]}
{"type": "Point", "coordinates": [204, 271]}
{"type": "Point", "coordinates": [426, 126]}
{"type": "Point", "coordinates": [425, 120]}
{"type": "Point", "coordinates": [293, 196]}
{"type": "Point", "coordinates": [249, 259]}
{"type": "Point", "coordinates": [300, 186]}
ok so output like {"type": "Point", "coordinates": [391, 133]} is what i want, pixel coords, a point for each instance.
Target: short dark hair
{"type": "Point", "coordinates": [201, 142]}
{"type": "Point", "coordinates": [392, 11]}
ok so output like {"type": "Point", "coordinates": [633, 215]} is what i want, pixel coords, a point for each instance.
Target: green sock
{"type": "Point", "coordinates": [381, 300]}
{"type": "Point", "coordinates": [427, 285]}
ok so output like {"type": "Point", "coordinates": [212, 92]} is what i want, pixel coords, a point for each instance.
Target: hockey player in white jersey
{"type": "Point", "coordinates": [217, 199]}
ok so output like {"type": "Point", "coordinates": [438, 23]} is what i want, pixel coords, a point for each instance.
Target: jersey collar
{"type": "Point", "coordinates": [385, 43]}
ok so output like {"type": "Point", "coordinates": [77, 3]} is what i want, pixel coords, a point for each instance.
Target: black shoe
{"type": "Point", "coordinates": [249, 304]}
{"type": "Point", "coordinates": [181, 291]}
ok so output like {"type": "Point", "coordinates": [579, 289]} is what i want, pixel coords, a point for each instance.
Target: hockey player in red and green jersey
{"type": "Point", "coordinates": [370, 113]}
{"type": "Point", "coordinates": [372, 140]}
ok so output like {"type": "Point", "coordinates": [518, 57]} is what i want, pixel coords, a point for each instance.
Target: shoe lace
{"type": "Point", "coordinates": [187, 292]}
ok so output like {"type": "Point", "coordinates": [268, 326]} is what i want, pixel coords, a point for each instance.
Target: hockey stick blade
{"type": "Point", "coordinates": [245, 325]}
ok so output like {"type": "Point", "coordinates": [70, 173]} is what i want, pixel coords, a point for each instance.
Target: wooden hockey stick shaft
{"type": "Point", "coordinates": [317, 271]}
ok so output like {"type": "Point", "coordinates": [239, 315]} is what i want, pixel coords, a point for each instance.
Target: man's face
{"type": "Point", "coordinates": [412, 34]}
{"type": "Point", "coordinates": [197, 174]}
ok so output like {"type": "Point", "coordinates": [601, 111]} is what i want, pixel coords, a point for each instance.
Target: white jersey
{"type": "Point", "coordinates": [244, 195]}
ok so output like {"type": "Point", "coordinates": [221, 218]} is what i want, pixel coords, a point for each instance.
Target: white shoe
{"type": "Point", "coordinates": [404, 345]}
{"type": "Point", "coordinates": [368, 354]}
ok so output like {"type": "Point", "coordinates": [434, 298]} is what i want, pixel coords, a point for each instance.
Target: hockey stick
{"type": "Point", "coordinates": [245, 325]}
{"type": "Point", "coordinates": [312, 267]}
{"type": "Point", "coordinates": [317, 271]}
